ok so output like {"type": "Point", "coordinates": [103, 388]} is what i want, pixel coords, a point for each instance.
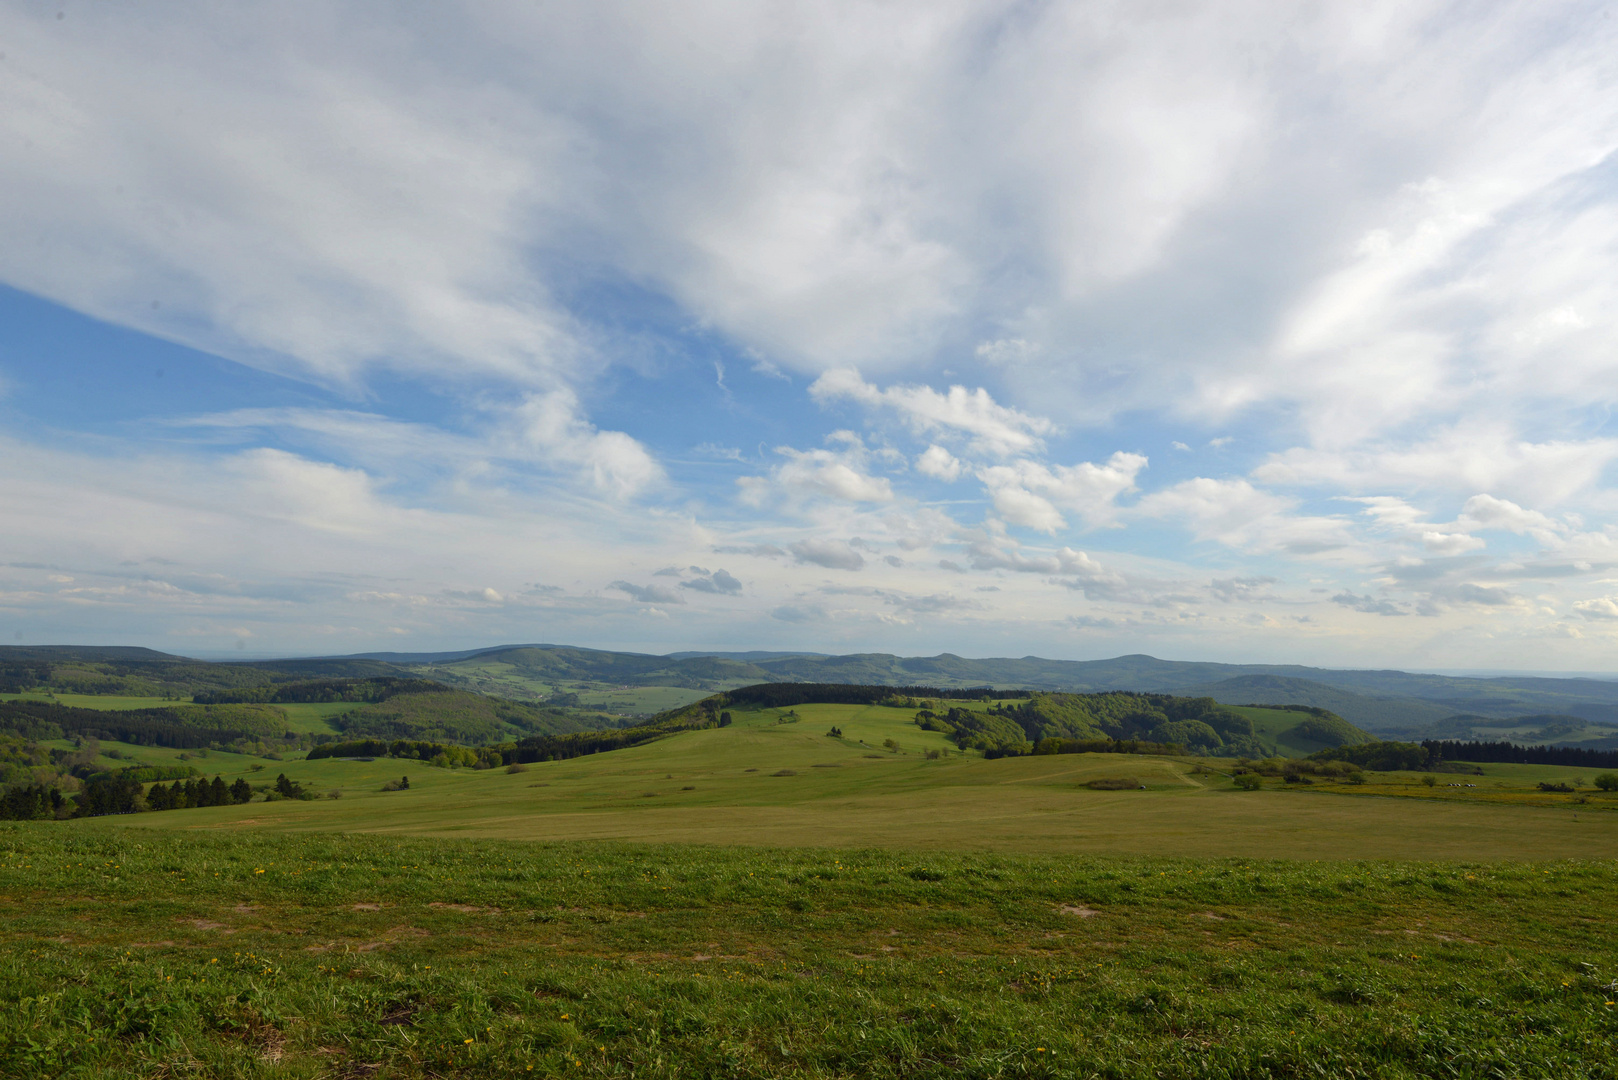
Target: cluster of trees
{"type": "Point", "coordinates": [31, 802]}
{"type": "Point", "coordinates": [190, 793]}
{"type": "Point", "coordinates": [786, 695]}
{"type": "Point", "coordinates": [19, 676]}
{"type": "Point", "coordinates": [1105, 746]}
{"type": "Point", "coordinates": [443, 755]}
{"type": "Point", "coordinates": [1200, 725]}
{"type": "Point", "coordinates": [360, 691]}
{"type": "Point", "coordinates": [1381, 756]}
{"type": "Point", "coordinates": [1391, 756]}
{"type": "Point", "coordinates": [1572, 756]}
{"type": "Point", "coordinates": [143, 727]}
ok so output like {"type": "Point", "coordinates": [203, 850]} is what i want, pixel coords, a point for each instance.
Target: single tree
{"type": "Point", "coordinates": [241, 791]}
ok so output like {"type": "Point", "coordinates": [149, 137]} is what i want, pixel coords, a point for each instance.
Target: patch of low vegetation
{"type": "Point", "coordinates": [1114, 783]}
{"type": "Point", "coordinates": [305, 955]}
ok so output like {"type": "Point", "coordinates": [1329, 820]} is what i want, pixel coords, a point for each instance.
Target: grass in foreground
{"type": "Point", "coordinates": [301, 956]}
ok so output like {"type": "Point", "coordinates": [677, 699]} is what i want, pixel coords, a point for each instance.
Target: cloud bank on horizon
{"type": "Point", "coordinates": [1267, 332]}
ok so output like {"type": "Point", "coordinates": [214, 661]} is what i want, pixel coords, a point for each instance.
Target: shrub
{"type": "Point", "coordinates": [1249, 781]}
{"type": "Point", "coordinates": [1607, 781]}
{"type": "Point", "coordinates": [1430, 780]}
{"type": "Point", "coordinates": [1113, 783]}
{"type": "Point", "coordinates": [1545, 785]}
{"type": "Point", "coordinates": [516, 767]}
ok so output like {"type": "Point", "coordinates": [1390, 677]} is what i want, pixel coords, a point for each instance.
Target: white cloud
{"type": "Point", "coordinates": [839, 474]}
{"type": "Point", "coordinates": [617, 464]}
{"type": "Point", "coordinates": [1469, 459]}
{"type": "Point", "coordinates": [1599, 608]}
{"type": "Point", "coordinates": [992, 428]}
{"type": "Point", "coordinates": [649, 594]}
{"type": "Point", "coordinates": [1027, 493]}
{"type": "Point", "coordinates": [720, 582]}
{"type": "Point", "coordinates": [1235, 513]}
{"type": "Point", "coordinates": [832, 554]}
{"type": "Point", "coordinates": [939, 463]}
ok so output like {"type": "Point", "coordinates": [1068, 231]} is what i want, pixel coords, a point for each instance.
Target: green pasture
{"type": "Point", "coordinates": [764, 782]}
{"type": "Point", "coordinates": [1274, 726]}
{"type": "Point", "coordinates": [260, 955]}
{"type": "Point", "coordinates": [313, 716]}
{"type": "Point", "coordinates": [635, 700]}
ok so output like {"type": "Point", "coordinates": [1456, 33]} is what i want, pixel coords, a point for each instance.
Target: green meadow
{"type": "Point", "coordinates": [767, 900]}
{"type": "Point", "coordinates": [776, 778]}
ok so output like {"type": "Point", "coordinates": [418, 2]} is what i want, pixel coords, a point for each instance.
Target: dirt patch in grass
{"type": "Point", "coordinates": [1080, 910]}
{"type": "Point", "coordinates": [465, 909]}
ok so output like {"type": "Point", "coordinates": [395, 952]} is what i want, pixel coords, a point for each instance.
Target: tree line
{"type": "Point", "coordinates": [359, 691]}
{"type": "Point", "coordinates": [444, 755]}
{"type": "Point", "coordinates": [1511, 753]}
{"type": "Point", "coordinates": [786, 695]}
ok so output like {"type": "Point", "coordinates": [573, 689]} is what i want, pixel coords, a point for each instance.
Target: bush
{"type": "Point", "coordinates": [1114, 783]}
{"type": "Point", "coordinates": [1607, 781]}
{"type": "Point", "coordinates": [1430, 780]}
{"type": "Point", "coordinates": [1249, 781]}
{"type": "Point", "coordinates": [516, 767]}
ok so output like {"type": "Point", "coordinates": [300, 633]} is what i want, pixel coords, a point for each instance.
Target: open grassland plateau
{"type": "Point", "coordinates": [159, 954]}
{"type": "Point", "coordinates": [775, 777]}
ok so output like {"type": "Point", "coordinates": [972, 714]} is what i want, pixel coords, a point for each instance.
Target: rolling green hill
{"type": "Point", "coordinates": [1397, 715]}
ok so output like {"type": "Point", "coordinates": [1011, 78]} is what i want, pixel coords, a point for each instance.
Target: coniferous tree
{"type": "Point", "coordinates": [158, 798]}
{"type": "Point", "coordinates": [219, 794]}
{"type": "Point", "coordinates": [241, 791]}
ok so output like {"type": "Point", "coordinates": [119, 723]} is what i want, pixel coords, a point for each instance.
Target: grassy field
{"type": "Point", "coordinates": [1274, 726]}
{"type": "Point", "coordinates": [764, 900]}
{"type": "Point", "coordinates": [255, 955]}
{"type": "Point", "coordinates": [775, 778]}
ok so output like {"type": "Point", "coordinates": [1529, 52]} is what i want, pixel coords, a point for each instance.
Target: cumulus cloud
{"type": "Point", "coordinates": [617, 464]}
{"type": "Point", "coordinates": [939, 463]}
{"type": "Point", "coordinates": [1602, 608]}
{"type": "Point", "coordinates": [832, 554]}
{"type": "Point", "coordinates": [1028, 493]}
{"type": "Point", "coordinates": [992, 428]}
{"type": "Point", "coordinates": [1239, 515]}
{"type": "Point", "coordinates": [1368, 604]}
{"type": "Point", "coordinates": [837, 473]}
{"type": "Point", "coordinates": [720, 583]}
{"type": "Point", "coordinates": [648, 594]}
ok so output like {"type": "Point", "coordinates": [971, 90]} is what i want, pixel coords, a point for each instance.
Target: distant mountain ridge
{"type": "Point", "coordinates": [1381, 700]}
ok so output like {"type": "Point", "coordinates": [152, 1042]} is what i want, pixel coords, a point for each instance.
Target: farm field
{"type": "Point", "coordinates": [775, 778]}
{"type": "Point", "coordinates": [257, 954]}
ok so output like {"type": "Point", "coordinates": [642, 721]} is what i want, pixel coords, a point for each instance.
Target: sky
{"type": "Point", "coordinates": [1256, 332]}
